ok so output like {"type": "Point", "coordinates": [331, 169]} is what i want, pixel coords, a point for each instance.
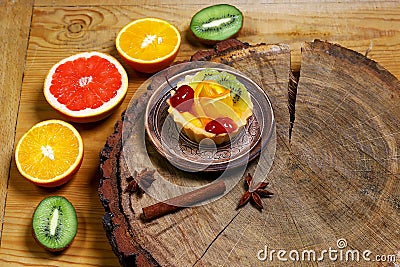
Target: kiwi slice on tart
{"type": "Point", "coordinates": [205, 74]}
{"type": "Point", "coordinates": [216, 23]}
{"type": "Point", "coordinates": [54, 223]}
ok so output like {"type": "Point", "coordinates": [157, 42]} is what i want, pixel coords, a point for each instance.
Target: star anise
{"type": "Point", "coordinates": [140, 181]}
{"type": "Point", "coordinates": [254, 193]}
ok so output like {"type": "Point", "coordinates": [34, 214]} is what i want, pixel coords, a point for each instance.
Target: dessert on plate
{"type": "Point", "coordinates": [211, 104]}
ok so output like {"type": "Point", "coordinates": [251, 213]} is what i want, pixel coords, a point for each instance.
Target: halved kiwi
{"type": "Point", "coordinates": [216, 23]}
{"type": "Point", "coordinates": [54, 223]}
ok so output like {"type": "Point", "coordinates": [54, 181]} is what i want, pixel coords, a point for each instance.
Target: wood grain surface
{"type": "Point", "coordinates": [15, 24]}
{"type": "Point", "coordinates": [338, 174]}
{"type": "Point", "coordinates": [36, 35]}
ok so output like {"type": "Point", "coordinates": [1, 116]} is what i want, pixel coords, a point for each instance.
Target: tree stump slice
{"type": "Point", "coordinates": [335, 178]}
{"type": "Point", "coordinates": [345, 142]}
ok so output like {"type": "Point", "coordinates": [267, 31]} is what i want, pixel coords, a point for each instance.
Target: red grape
{"type": "Point", "coordinates": [182, 100]}
{"type": "Point", "coordinates": [221, 125]}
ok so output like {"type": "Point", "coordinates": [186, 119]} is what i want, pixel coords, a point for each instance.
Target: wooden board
{"type": "Point", "coordinates": [54, 29]}
{"type": "Point", "coordinates": [15, 22]}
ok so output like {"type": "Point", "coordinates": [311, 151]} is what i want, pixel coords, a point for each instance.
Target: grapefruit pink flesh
{"type": "Point", "coordinates": [85, 83]}
{"type": "Point", "coordinates": [86, 87]}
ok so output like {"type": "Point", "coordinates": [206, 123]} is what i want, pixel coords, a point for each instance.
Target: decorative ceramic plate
{"type": "Point", "coordinates": [188, 155]}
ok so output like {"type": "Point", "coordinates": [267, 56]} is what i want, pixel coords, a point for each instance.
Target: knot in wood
{"type": "Point", "coordinates": [75, 27]}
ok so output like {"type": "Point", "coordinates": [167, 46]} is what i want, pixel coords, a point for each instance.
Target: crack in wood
{"type": "Point", "coordinates": [215, 238]}
{"type": "Point", "coordinates": [294, 77]}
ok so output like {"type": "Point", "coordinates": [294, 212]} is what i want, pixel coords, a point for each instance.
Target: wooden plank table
{"type": "Point", "coordinates": [37, 34]}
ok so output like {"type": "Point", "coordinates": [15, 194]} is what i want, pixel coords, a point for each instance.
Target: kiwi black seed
{"type": "Point", "coordinates": [216, 23]}
{"type": "Point", "coordinates": [54, 223]}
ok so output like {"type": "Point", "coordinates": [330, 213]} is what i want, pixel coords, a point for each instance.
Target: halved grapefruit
{"type": "Point", "coordinates": [86, 87]}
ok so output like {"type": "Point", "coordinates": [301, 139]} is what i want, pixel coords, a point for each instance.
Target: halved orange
{"type": "Point", "coordinates": [49, 153]}
{"type": "Point", "coordinates": [148, 44]}
{"type": "Point", "coordinates": [86, 87]}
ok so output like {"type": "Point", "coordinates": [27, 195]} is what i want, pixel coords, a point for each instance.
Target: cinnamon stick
{"type": "Point", "coordinates": [174, 204]}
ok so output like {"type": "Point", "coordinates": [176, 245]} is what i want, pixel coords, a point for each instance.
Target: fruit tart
{"type": "Point", "coordinates": [211, 104]}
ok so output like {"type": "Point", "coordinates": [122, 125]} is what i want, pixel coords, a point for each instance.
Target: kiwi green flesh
{"type": "Point", "coordinates": [54, 223]}
{"type": "Point", "coordinates": [217, 23]}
